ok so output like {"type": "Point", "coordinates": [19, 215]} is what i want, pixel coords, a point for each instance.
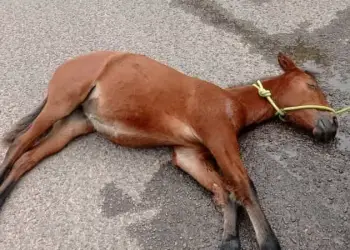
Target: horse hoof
{"type": "Point", "coordinates": [233, 244]}
{"type": "Point", "coordinates": [271, 243]}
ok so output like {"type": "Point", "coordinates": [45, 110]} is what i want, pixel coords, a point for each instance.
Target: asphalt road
{"type": "Point", "coordinates": [96, 195]}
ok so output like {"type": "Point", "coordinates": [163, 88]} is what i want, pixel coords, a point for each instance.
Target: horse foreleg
{"type": "Point", "coordinates": [61, 134]}
{"type": "Point", "coordinates": [194, 162]}
{"type": "Point", "coordinates": [225, 149]}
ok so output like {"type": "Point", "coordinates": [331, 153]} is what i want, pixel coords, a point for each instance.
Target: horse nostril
{"type": "Point", "coordinates": [335, 121]}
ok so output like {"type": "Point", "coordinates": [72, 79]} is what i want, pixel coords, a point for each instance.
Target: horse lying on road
{"type": "Point", "coordinates": [135, 101]}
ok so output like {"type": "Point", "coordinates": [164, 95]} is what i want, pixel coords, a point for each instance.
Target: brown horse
{"type": "Point", "coordinates": [136, 101]}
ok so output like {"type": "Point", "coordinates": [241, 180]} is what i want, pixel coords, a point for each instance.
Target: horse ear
{"type": "Point", "coordinates": [285, 62]}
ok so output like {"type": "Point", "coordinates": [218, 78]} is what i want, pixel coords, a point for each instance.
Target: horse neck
{"type": "Point", "coordinates": [255, 108]}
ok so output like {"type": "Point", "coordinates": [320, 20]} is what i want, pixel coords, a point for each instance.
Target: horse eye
{"type": "Point", "coordinates": [312, 86]}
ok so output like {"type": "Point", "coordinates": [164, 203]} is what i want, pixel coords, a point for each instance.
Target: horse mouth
{"type": "Point", "coordinates": [324, 134]}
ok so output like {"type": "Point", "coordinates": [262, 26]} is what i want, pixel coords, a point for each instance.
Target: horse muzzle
{"type": "Point", "coordinates": [326, 128]}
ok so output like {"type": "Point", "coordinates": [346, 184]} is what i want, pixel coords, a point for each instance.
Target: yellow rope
{"type": "Point", "coordinates": [281, 112]}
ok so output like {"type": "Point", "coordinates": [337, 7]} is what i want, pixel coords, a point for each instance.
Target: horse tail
{"type": "Point", "coordinates": [23, 124]}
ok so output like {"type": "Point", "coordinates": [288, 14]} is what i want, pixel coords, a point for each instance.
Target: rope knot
{"type": "Point", "coordinates": [264, 92]}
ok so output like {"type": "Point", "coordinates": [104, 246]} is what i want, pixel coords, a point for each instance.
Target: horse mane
{"type": "Point", "coordinates": [245, 84]}
{"type": "Point", "coordinates": [314, 73]}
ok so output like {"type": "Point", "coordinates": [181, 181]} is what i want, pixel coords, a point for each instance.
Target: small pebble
{"type": "Point", "coordinates": [333, 167]}
{"type": "Point", "coordinates": [284, 156]}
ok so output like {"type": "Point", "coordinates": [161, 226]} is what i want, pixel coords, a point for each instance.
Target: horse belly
{"type": "Point", "coordinates": [122, 122]}
{"type": "Point", "coordinates": [123, 135]}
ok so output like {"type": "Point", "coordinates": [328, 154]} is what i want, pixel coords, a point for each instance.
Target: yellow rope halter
{"type": "Point", "coordinates": [282, 111]}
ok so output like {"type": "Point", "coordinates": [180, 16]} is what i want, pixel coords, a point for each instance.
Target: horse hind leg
{"type": "Point", "coordinates": [60, 103]}
{"type": "Point", "coordinates": [61, 134]}
{"type": "Point", "coordinates": [22, 125]}
{"type": "Point", "coordinates": [194, 162]}
{"type": "Point", "coordinates": [45, 120]}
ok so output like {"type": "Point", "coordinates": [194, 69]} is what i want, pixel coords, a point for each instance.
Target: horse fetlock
{"type": "Point", "coordinates": [5, 189]}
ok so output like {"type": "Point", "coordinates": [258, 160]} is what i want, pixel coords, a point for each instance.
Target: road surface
{"type": "Point", "coordinates": [96, 195]}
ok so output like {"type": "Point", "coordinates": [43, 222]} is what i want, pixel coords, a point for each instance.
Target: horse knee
{"type": "Point", "coordinates": [220, 195]}
{"type": "Point", "coordinates": [243, 190]}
